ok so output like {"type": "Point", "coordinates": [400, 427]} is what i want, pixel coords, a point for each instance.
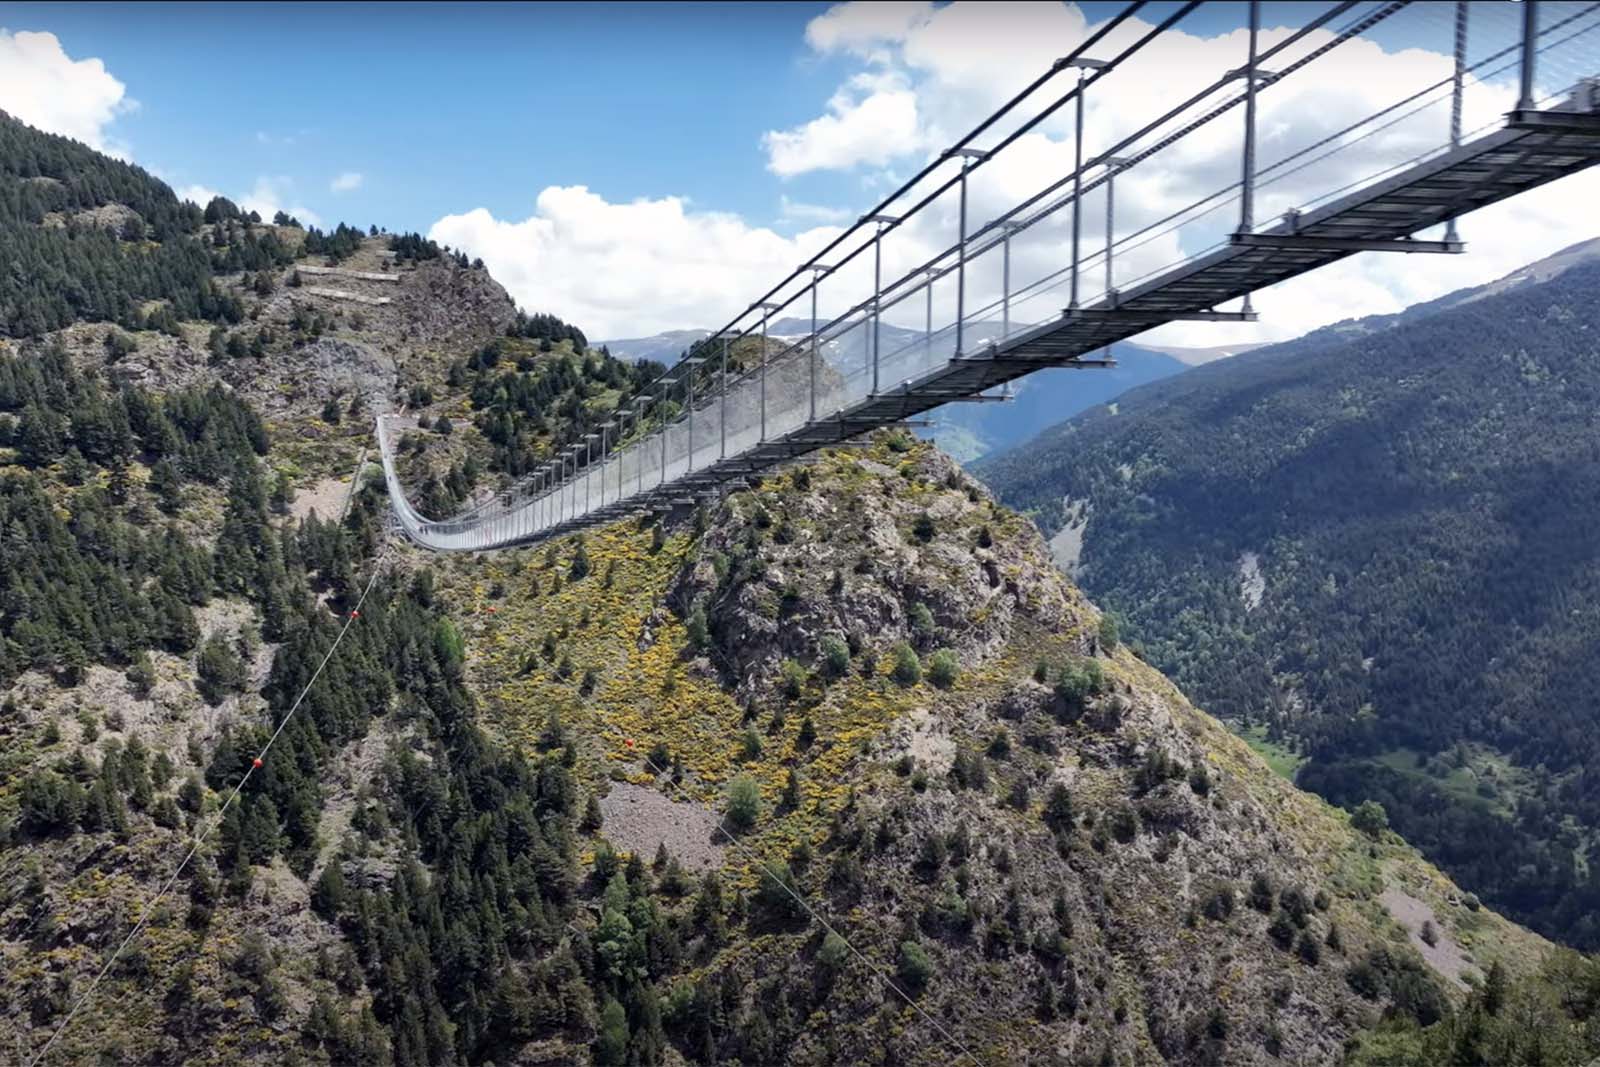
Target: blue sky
{"type": "Point", "coordinates": [644, 167]}
{"type": "Point", "coordinates": [441, 107]}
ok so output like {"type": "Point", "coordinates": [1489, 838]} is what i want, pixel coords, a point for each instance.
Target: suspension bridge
{"type": "Point", "coordinates": [1493, 100]}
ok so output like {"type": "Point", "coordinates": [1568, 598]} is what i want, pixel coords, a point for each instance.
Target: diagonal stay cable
{"type": "Point", "coordinates": [203, 834]}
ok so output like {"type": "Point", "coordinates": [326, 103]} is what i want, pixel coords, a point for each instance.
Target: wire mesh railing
{"type": "Point", "coordinates": [958, 260]}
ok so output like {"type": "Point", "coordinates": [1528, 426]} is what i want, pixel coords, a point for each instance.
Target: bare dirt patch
{"type": "Point", "coordinates": [326, 498]}
{"type": "Point", "coordinates": [1444, 955]}
{"type": "Point", "coordinates": [640, 820]}
{"type": "Point", "coordinates": [930, 742]}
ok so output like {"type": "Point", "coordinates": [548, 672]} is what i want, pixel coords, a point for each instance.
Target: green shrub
{"type": "Point", "coordinates": [744, 802]}
{"type": "Point", "coordinates": [833, 954]}
{"type": "Point", "coordinates": [699, 631]}
{"type": "Point", "coordinates": [1109, 632]}
{"type": "Point", "coordinates": [1370, 818]}
{"type": "Point", "coordinates": [1079, 680]}
{"type": "Point", "coordinates": [777, 896]}
{"type": "Point", "coordinates": [220, 670]}
{"type": "Point", "coordinates": [791, 679]}
{"type": "Point", "coordinates": [1000, 744]}
{"type": "Point", "coordinates": [907, 667]}
{"type": "Point", "coordinates": [835, 656]}
{"type": "Point", "coordinates": [922, 528]}
{"type": "Point", "coordinates": [968, 770]}
{"type": "Point", "coordinates": [943, 668]}
{"type": "Point", "coordinates": [580, 562]}
{"type": "Point", "coordinates": [50, 803]}
{"type": "Point", "coordinates": [141, 674]}
{"type": "Point", "coordinates": [913, 968]}
{"type": "Point", "coordinates": [921, 620]}
{"type": "Point", "coordinates": [1058, 808]}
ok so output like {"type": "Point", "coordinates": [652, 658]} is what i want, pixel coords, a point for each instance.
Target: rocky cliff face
{"type": "Point", "coordinates": [951, 755]}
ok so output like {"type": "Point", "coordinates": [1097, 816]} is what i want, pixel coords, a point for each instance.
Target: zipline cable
{"type": "Point", "coordinates": [877, 970]}
{"type": "Point", "coordinates": [200, 838]}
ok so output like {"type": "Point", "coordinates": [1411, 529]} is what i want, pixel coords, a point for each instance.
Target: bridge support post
{"type": "Point", "coordinates": [927, 323]}
{"type": "Point", "coordinates": [605, 455]}
{"type": "Point", "coordinates": [766, 309]}
{"type": "Point", "coordinates": [1247, 187]}
{"type": "Point", "coordinates": [816, 279]}
{"type": "Point", "coordinates": [691, 413]}
{"type": "Point", "coordinates": [638, 422]}
{"type": "Point", "coordinates": [1530, 52]}
{"type": "Point", "coordinates": [723, 429]}
{"type": "Point", "coordinates": [588, 461]}
{"type": "Point", "coordinates": [877, 287]}
{"type": "Point", "coordinates": [663, 431]}
{"type": "Point", "coordinates": [1456, 80]}
{"type": "Point", "coordinates": [1005, 282]}
{"type": "Point", "coordinates": [961, 259]}
{"type": "Point", "coordinates": [1077, 189]}
{"type": "Point", "coordinates": [1113, 165]}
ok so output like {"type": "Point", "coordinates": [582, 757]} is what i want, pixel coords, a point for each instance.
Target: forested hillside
{"type": "Point", "coordinates": [835, 769]}
{"type": "Point", "coordinates": [1379, 548]}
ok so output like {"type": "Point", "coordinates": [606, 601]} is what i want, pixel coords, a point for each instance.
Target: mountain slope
{"type": "Point", "coordinates": [1374, 541]}
{"type": "Point", "coordinates": [970, 431]}
{"type": "Point", "coordinates": [490, 832]}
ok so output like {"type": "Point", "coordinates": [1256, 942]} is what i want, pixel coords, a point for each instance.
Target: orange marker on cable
{"type": "Point", "coordinates": [256, 762]}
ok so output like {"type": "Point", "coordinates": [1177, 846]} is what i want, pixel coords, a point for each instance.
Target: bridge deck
{"type": "Point", "coordinates": [1532, 149]}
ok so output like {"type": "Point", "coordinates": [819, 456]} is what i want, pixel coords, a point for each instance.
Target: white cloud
{"type": "Point", "coordinates": [627, 270]}
{"type": "Point", "coordinates": [347, 181]}
{"type": "Point", "coordinates": [861, 28]}
{"type": "Point", "coordinates": [200, 194]}
{"type": "Point", "coordinates": [872, 120]}
{"type": "Point", "coordinates": [795, 211]}
{"type": "Point", "coordinates": [270, 195]}
{"type": "Point", "coordinates": [267, 197]}
{"type": "Point", "coordinates": [44, 87]}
